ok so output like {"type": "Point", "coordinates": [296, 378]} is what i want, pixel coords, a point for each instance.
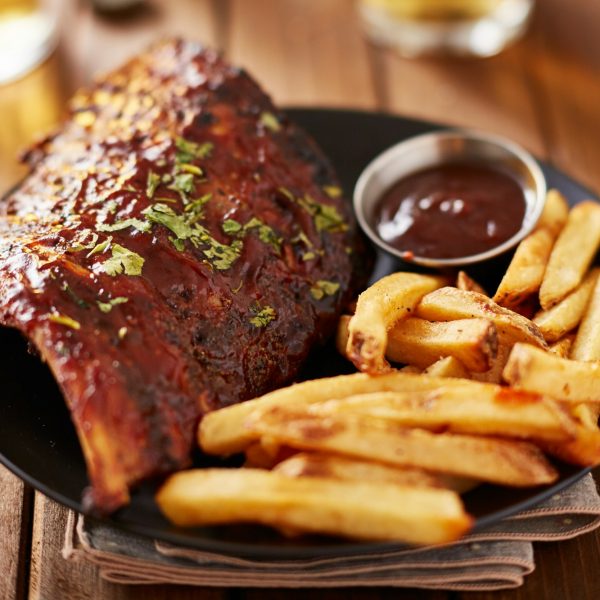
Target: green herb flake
{"type": "Point", "coordinates": [77, 245]}
{"type": "Point", "coordinates": [183, 183]}
{"type": "Point", "coordinates": [221, 256]}
{"type": "Point", "coordinates": [265, 233]}
{"type": "Point", "coordinates": [179, 244]}
{"type": "Point", "coordinates": [326, 217]}
{"type": "Point", "coordinates": [308, 256]}
{"type": "Point", "coordinates": [269, 120]}
{"type": "Point", "coordinates": [70, 292]}
{"type": "Point", "coordinates": [138, 224]}
{"type": "Point", "coordinates": [106, 307]}
{"type": "Point", "coordinates": [231, 227]}
{"type": "Point", "coordinates": [154, 180]}
{"type": "Point", "coordinates": [164, 215]}
{"type": "Point", "coordinates": [193, 169]}
{"type": "Point", "coordinates": [100, 248]}
{"type": "Point", "coordinates": [122, 333]}
{"type": "Point", "coordinates": [263, 316]}
{"type": "Point", "coordinates": [188, 150]}
{"type": "Point", "coordinates": [324, 288]}
{"type": "Point", "coordinates": [333, 191]}
{"type": "Point", "coordinates": [123, 261]}
{"type": "Point", "coordinates": [64, 320]}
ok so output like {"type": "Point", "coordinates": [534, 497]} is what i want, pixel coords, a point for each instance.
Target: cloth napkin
{"type": "Point", "coordinates": [497, 558]}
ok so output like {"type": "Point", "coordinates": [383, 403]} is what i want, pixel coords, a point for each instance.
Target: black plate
{"type": "Point", "coordinates": [38, 441]}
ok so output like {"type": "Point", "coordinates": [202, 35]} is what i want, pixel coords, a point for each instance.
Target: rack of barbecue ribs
{"type": "Point", "coordinates": [178, 246]}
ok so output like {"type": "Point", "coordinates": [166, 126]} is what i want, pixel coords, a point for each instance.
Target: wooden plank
{"type": "Point", "coordinates": [344, 594]}
{"type": "Point", "coordinates": [303, 52]}
{"type": "Point", "coordinates": [15, 526]}
{"type": "Point", "coordinates": [54, 577]}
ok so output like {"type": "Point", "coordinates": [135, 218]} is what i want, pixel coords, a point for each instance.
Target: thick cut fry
{"type": "Point", "coordinates": [526, 270]}
{"type": "Point", "coordinates": [534, 370]}
{"type": "Point", "coordinates": [506, 462]}
{"type": "Point", "coordinates": [494, 375]}
{"type": "Point", "coordinates": [317, 464]}
{"type": "Point", "coordinates": [584, 450]}
{"type": "Point", "coordinates": [572, 254]}
{"type": "Point", "coordinates": [448, 304]}
{"type": "Point", "coordinates": [448, 367]}
{"type": "Point", "coordinates": [223, 432]}
{"type": "Point", "coordinates": [420, 342]}
{"type": "Point", "coordinates": [364, 510]}
{"type": "Point", "coordinates": [555, 213]}
{"type": "Point", "coordinates": [378, 308]}
{"type": "Point", "coordinates": [563, 317]}
{"type": "Point", "coordinates": [493, 411]}
{"type": "Point", "coordinates": [563, 347]}
{"type": "Point", "coordinates": [587, 341]}
{"type": "Point", "coordinates": [466, 283]}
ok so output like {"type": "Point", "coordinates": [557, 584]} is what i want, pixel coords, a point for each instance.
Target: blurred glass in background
{"type": "Point", "coordinates": [459, 27]}
{"type": "Point", "coordinates": [31, 95]}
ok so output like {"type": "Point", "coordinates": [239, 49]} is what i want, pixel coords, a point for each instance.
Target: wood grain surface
{"type": "Point", "coordinates": [544, 92]}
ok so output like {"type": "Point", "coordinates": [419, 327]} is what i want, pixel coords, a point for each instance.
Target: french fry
{"type": "Point", "coordinates": [448, 304]}
{"type": "Point", "coordinates": [363, 510]}
{"type": "Point", "coordinates": [448, 367]}
{"type": "Point", "coordinates": [222, 432]}
{"type": "Point", "coordinates": [587, 341]}
{"type": "Point", "coordinates": [526, 270]}
{"type": "Point", "coordinates": [584, 450]}
{"type": "Point", "coordinates": [572, 254]}
{"type": "Point", "coordinates": [563, 317]}
{"type": "Point", "coordinates": [318, 464]}
{"type": "Point", "coordinates": [524, 275]}
{"type": "Point", "coordinates": [420, 342]}
{"type": "Point", "coordinates": [466, 283]}
{"type": "Point", "coordinates": [494, 410]}
{"type": "Point", "coordinates": [529, 368]}
{"type": "Point", "coordinates": [507, 462]}
{"type": "Point", "coordinates": [563, 347]}
{"type": "Point", "coordinates": [494, 375]}
{"type": "Point", "coordinates": [378, 308]}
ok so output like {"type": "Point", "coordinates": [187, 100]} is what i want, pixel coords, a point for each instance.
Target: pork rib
{"type": "Point", "coordinates": [178, 246]}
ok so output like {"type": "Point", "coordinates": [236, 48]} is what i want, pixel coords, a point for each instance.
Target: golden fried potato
{"type": "Point", "coordinates": [222, 431]}
{"type": "Point", "coordinates": [587, 341]}
{"type": "Point", "coordinates": [529, 368]}
{"type": "Point", "coordinates": [363, 510]}
{"type": "Point", "coordinates": [378, 308]}
{"type": "Point", "coordinates": [449, 304]}
{"type": "Point", "coordinates": [448, 367]}
{"type": "Point", "coordinates": [572, 254]}
{"type": "Point", "coordinates": [420, 342]}
{"type": "Point", "coordinates": [491, 410]}
{"type": "Point", "coordinates": [466, 283]}
{"type": "Point", "coordinates": [563, 347]}
{"type": "Point", "coordinates": [507, 462]}
{"type": "Point", "coordinates": [563, 317]}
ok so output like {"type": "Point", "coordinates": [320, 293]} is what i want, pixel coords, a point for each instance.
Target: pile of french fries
{"type": "Point", "coordinates": [483, 389]}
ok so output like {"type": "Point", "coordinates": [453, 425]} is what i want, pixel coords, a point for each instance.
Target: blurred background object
{"type": "Point", "coordinates": [461, 27]}
{"type": "Point", "coordinates": [31, 96]}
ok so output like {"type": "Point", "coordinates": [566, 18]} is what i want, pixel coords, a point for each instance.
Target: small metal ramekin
{"type": "Point", "coordinates": [449, 146]}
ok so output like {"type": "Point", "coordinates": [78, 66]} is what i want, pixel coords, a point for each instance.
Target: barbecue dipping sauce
{"type": "Point", "coordinates": [450, 211]}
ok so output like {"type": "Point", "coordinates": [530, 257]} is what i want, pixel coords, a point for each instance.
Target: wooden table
{"type": "Point", "coordinates": [544, 93]}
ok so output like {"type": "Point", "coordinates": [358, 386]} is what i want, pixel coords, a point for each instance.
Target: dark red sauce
{"type": "Point", "coordinates": [450, 211]}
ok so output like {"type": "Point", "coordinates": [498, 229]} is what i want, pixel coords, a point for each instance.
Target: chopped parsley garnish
{"type": "Point", "coordinates": [106, 307]}
{"type": "Point", "coordinates": [77, 245]}
{"type": "Point", "coordinates": [188, 151]}
{"type": "Point", "coordinates": [231, 227]}
{"type": "Point", "coordinates": [69, 291]}
{"type": "Point", "coordinates": [100, 248]}
{"type": "Point", "coordinates": [119, 225]}
{"type": "Point", "coordinates": [265, 233]}
{"type": "Point", "coordinates": [123, 262]}
{"type": "Point", "coordinates": [308, 256]}
{"type": "Point", "coordinates": [183, 183]}
{"type": "Point", "coordinates": [324, 288]}
{"type": "Point", "coordinates": [196, 207]}
{"type": "Point", "coordinates": [193, 169]}
{"type": "Point", "coordinates": [154, 180]}
{"type": "Point", "coordinates": [287, 194]}
{"type": "Point", "coordinates": [64, 320]}
{"type": "Point", "coordinates": [220, 255]}
{"type": "Point", "coordinates": [166, 216]}
{"type": "Point", "coordinates": [269, 120]}
{"type": "Point", "coordinates": [326, 217]}
{"type": "Point", "coordinates": [263, 316]}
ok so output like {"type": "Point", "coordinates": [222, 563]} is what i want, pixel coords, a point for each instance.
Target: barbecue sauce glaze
{"type": "Point", "coordinates": [450, 211]}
